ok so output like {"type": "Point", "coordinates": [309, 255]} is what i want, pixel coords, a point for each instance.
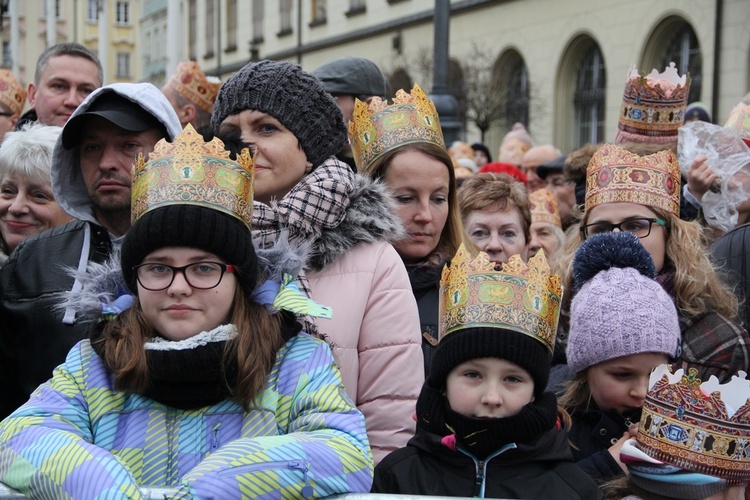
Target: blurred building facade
{"type": "Point", "coordinates": [558, 66]}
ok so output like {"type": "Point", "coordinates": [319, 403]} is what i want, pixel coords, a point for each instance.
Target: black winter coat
{"type": "Point", "coordinates": [425, 284]}
{"type": "Point", "coordinates": [33, 337]}
{"type": "Point", "coordinates": [543, 469]}
{"type": "Point", "coordinates": [591, 435]}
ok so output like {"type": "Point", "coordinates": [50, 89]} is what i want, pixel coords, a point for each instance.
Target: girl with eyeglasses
{"type": "Point", "coordinates": [641, 194]}
{"type": "Point", "coordinates": [196, 375]}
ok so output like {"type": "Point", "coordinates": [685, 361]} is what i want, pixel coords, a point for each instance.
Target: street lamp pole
{"type": "Point", "coordinates": [446, 104]}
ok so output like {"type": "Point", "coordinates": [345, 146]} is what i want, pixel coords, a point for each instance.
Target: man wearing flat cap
{"type": "Point", "coordinates": [347, 79]}
{"type": "Point", "coordinates": [91, 172]}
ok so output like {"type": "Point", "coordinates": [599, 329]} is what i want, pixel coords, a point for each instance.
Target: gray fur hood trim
{"type": "Point", "coordinates": [104, 283]}
{"type": "Point", "coordinates": [370, 217]}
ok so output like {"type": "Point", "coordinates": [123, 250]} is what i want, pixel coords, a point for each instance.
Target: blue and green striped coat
{"type": "Point", "coordinates": [79, 438]}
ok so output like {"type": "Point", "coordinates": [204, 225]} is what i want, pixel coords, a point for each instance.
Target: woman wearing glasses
{"type": "Point", "coordinates": [201, 380]}
{"type": "Point", "coordinates": [641, 195]}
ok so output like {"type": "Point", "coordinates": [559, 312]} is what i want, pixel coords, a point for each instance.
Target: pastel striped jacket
{"type": "Point", "coordinates": [79, 438]}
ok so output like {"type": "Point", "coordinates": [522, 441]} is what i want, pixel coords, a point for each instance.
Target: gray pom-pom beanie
{"type": "Point", "coordinates": [296, 98]}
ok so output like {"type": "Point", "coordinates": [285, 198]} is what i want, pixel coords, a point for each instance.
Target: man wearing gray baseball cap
{"type": "Point", "coordinates": [347, 79]}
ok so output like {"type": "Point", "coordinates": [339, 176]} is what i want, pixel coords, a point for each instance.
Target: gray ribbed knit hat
{"type": "Point", "coordinates": [295, 98]}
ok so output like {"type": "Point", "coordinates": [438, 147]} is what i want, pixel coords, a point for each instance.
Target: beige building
{"type": "Point", "coordinates": [559, 66]}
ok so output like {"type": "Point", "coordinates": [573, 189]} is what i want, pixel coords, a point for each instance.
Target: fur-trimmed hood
{"type": "Point", "coordinates": [370, 217]}
{"type": "Point", "coordinates": [103, 288]}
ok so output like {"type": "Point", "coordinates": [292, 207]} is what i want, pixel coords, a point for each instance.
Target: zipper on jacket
{"type": "Point", "coordinates": [480, 467]}
{"type": "Point", "coordinates": [298, 465]}
{"type": "Point", "coordinates": [170, 428]}
{"type": "Point", "coordinates": [215, 438]}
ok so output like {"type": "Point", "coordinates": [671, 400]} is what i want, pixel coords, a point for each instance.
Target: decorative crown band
{"type": "Point", "coordinates": [654, 105]}
{"type": "Point", "coordinates": [192, 84]}
{"type": "Point", "coordinates": [701, 427]}
{"type": "Point", "coordinates": [12, 94]}
{"type": "Point", "coordinates": [617, 175]}
{"type": "Point", "coordinates": [524, 298]}
{"type": "Point", "coordinates": [191, 171]}
{"type": "Point", "coordinates": [378, 127]}
{"type": "Point", "coordinates": [544, 207]}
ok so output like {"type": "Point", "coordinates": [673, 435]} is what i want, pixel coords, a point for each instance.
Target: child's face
{"type": "Point", "coordinates": [622, 383]}
{"type": "Point", "coordinates": [489, 388]}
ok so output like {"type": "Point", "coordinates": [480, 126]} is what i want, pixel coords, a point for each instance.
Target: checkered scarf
{"type": "Point", "coordinates": [316, 203]}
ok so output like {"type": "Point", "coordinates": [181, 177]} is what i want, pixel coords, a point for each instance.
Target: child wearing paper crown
{"type": "Point", "coordinates": [485, 426]}
{"type": "Point", "coordinates": [712, 464]}
{"type": "Point", "coordinates": [201, 380]}
{"type": "Point", "coordinates": [622, 325]}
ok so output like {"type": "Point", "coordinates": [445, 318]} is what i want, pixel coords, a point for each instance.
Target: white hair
{"type": "Point", "coordinates": [28, 152]}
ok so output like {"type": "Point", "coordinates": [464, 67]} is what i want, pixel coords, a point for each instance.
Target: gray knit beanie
{"type": "Point", "coordinates": [295, 98]}
{"type": "Point", "coordinates": [619, 309]}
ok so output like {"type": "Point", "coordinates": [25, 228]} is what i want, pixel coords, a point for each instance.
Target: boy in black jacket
{"type": "Point", "coordinates": [485, 428]}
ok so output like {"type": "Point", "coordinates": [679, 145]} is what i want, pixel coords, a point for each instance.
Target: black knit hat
{"type": "Point", "coordinates": [295, 98]}
{"type": "Point", "coordinates": [486, 342]}
{"type": "Point", "coordinates": [183, 225]}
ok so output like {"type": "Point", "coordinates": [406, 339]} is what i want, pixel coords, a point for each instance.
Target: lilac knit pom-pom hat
{"type": "Point", "coordinates": [619, 309]}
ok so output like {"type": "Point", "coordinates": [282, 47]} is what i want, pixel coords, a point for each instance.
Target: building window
{"type": "Point", "coordinates": [156, 50]}
{"type": "Point", "coordinates": [231, 25]}
{"type": "Point", "coordinates": [122, 15]}
{"type": "Point", "coordinates": [285, 11]}
{"type": "Point", "coordinates": [123, 65]}
{"type": "Point", "coordinates": [257, 21]}
{"type": "Point", "coordinates": [57, 8]}
{"type": "Point", "coordinates": [210, 25]}
{"type": "Point", "coordinates": [685, 52]}
{"type": "Point", "coordinates": [93, 11]}
{"type": "Point", "coordinates": [356, 7]}
{"type": "Point", "coordinates": [517, 97]}
{"type": "Point", "coordinates": [589, 98]}
{"type": "Point", "coordinates": [7, 60]}
{"type": "Point", "coordinates": [192, 27]}
{"type": "Point", "coordinates": [318, 12]}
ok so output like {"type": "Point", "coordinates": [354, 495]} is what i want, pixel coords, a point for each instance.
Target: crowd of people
{"type": "Point", "coordinates": [283, 285]}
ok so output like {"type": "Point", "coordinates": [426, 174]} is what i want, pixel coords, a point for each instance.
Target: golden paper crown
{"type": "Point", "coordinates": [378, 127]}
{"type": "Point", "coordinates": [544, 207]}
{"type": "Point", "coordinates": [191, 83]}
{"type": "Point", "coordinates": [12, 94]}
{"type": "Point", "coordinates": [191, 171]}
{"type": "Point", "coordinates": [617, 175]}
{"type": "Point", "coordinates": [700, 427]}
{"type": "Point", "coordinates": [739, 121]}
{"type": "Point", "coordinates": [653, 106]}
{"type": "Point", "coordinates": [521, 298]}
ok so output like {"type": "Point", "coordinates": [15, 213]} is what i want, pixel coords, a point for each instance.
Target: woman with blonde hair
{"type": "Point", "coordinates": [413, 162]}
{"type": "Point", "coordinates": [641, 195]}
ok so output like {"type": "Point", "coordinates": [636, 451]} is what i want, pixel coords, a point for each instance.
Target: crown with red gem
{"type": "Point", "coordinates": [702, 427]}
{"type": "Point", "coordinates": [192, 84]}
{"type": "Point", "coordinates": [653, 106]}
{"type": "Point", "coordinates": [616, 175]}
{"type": "Point", "coordinates": [12, 94]}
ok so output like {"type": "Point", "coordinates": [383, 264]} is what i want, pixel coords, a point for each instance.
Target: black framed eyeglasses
{"type": "Point", "coordinates": [155, 276]}
{"type": "Point", "coordinates": [640, 227]}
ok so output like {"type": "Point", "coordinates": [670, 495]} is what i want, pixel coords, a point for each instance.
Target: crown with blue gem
{"type": "Point", "coordinates": [191, 171]}
{"type": "Point", "coordinates": [702, 427]}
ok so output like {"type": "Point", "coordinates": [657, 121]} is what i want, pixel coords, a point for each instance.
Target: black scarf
{"type": "Point", "coordinates": [482, 437]}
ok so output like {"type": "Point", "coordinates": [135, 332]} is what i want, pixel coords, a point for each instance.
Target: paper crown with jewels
{"type": "Point", "coordinates": [544, 207]}
{"type": "Point", "coordinates": [523, 298]}
{"type": "Point", "coordinates": [702, 427]}
{"type": "Point", "coordinates": [653, 106]}
{"type": "Point", "coordinates": [192, 84]}
{"type": "Point", "coordinates": [12, 94]}
{"type": "Point", "coordinates": [617, 175]}
{"type": "Point", "coordinates": [378, 127]}
{"type": "Point", "coordinates": [191, 171]}
{"type": "Point", "coordinates": [739, 121]}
